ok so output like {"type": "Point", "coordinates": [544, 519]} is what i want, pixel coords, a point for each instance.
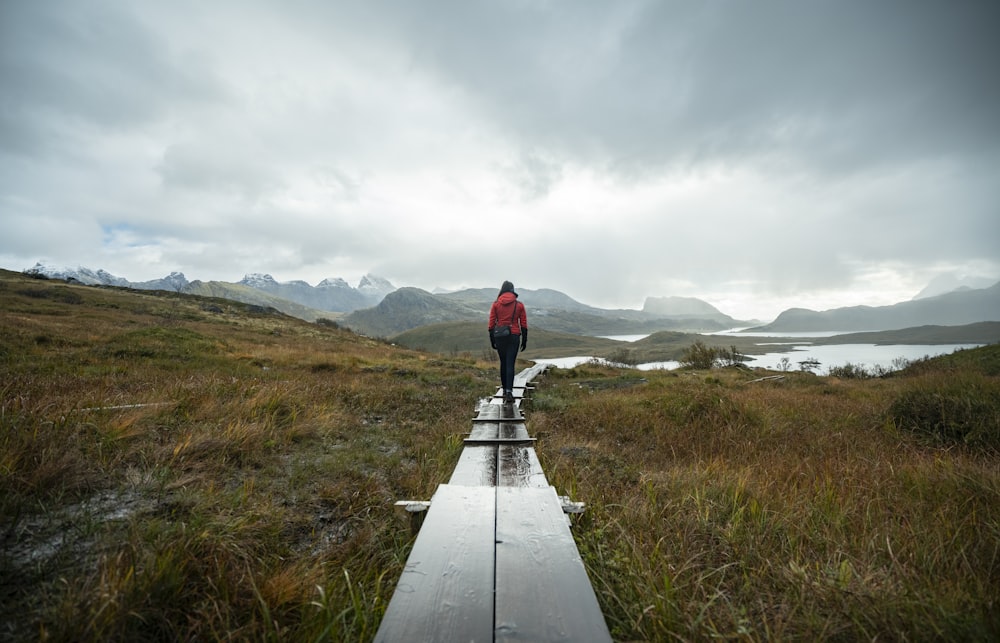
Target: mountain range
{"type": "Point", "coordinates": [409, 308]}
{"type": "Point", "coordinates": [956, 308]}
{"type": "Point", "coordinates": [377, 308]}
{"type": "Point", "coordinates": [296, 298]}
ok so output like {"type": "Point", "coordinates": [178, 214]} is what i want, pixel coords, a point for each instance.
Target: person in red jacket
{"type": "Point", "coordinates": [508, 313]}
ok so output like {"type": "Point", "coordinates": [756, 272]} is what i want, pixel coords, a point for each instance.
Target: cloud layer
{"type": "Point", "coordinates": [757, 155]}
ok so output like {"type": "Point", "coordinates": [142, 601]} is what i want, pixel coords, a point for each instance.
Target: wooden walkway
{"type": "Point", "coordinates": [495, 559]}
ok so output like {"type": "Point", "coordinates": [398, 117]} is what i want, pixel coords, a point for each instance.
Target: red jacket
{"type": "Point", "coordinates": [508, 310]}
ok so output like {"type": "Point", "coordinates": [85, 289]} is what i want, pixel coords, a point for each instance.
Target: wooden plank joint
{"type": "Point", "coordinates": [499, 441]}
{"type": "Point", "coordinates": [570, 507]}
{"type": "Point", "coordinates": [415, 510]}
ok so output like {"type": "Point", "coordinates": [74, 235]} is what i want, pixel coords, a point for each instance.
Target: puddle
{"type": "Point", "coordinates": [38, 538]}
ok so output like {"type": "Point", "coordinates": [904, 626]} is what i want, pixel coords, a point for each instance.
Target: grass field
{"type": "Point", "coordinates": [178, 468]}
{"type": "Point", "coordinates": [803, 508]}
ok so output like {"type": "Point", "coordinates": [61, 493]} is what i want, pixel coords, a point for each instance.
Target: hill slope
{"type": "Point", "coordinates": [255, 297]}
{"type": "Point", "coordinates": [410, 308]}
{"type": "Point", "coordinates": [174, 467]}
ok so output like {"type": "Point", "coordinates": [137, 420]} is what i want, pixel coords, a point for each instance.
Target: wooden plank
{"type": "Point", "coordinates": [511, 431]}
{"type": "Point", "coordinates": [518, 418]}
{"type": "Point", "coordinates": [518, 466]}
{"type": "Point", "coordinates": [477, 466]}
{"type": "Point", "coordinates": [500, 441]}
{"type": "Point", "coordinates": [542, 589]}
{"type": "Point", "coordinates": [489, 411]}
{"type": "Point", "coordinates": [529, 374]}
{"type": "Point", "coordinates": [446, 590]}
{"type": "Point", "coordinates": [482, 431]}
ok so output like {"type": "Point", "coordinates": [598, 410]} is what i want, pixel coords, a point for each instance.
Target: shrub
{"type": "Point", "coordinates": [730, 356]}
{"type": "Point", "coordinates": [622, 357]}
{"type": "Point", "coordinates": [952, 409]}
{"type": "Point", "coordinates": [698, 355]}
{"type": "Point", "coordinates": [809, 365]}
{"type": "Point", "coordinates": [851, 371]}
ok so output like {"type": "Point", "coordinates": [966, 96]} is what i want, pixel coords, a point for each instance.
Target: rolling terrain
{"type": "Point", "coordinates": [174, 467]}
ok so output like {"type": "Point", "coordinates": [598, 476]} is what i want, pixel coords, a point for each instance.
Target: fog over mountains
{"type": "Point", "coordinates": [376, 307]}
{"type": "Point", "coordinates": [956, 308]}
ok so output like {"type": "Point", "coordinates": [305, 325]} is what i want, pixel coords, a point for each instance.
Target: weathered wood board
{"type": "Point", "coordinates": [542, 589]}
{"type": "Point", "coordinates": [446, 590]}
{"type": "Point", "coordinates": [495, 559]}
{"type": "Point", "coordinates": [518, 466]}
{"type": "Point", "coordinates": [477, 466]}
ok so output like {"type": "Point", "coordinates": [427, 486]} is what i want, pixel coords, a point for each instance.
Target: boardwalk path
{"type": "Point", "coordinates": [495, 559]}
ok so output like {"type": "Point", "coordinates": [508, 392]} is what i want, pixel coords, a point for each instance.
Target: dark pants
{"type": "Point", "coordinates": [507, 349]}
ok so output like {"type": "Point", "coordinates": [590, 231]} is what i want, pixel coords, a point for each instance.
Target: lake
{"type": "Point", "coordinates": [868, 355]}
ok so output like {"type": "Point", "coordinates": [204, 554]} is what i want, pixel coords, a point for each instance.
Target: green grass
{"type": "Point", "coordinates": [176, 468]}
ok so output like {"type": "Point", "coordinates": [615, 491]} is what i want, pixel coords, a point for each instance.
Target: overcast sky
{"type": "Point", "coordinates": [758, 155]}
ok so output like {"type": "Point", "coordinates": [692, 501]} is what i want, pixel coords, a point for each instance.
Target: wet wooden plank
{"type": "Point", "coordinates": [542, 589]}
{"type": "Point", "coordinates": [513, 432]}
{"type": "Point", "coordinates": [487, 446]}
{"type": "Point", "coordinates": [499, 412]}
{"type": "Point", "coordinates": [487, 411]}
{"type": "Point", "coordinates": [518, 466]}
{"type": "Point", "coordinates": [477, 466]}
{"type": "Point", "coordinates": [517, 418]}
{"type": "Point", "coordinates": [446, 590]}
{"type": "Point", "coordinates": [483, 431]}
{"type": "Point", "coordinates": [492, 464]}
{"type": "Point", "coordinates": [500, 441]}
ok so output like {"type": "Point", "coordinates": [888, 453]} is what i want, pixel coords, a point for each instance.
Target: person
{"type": "Point", "coordinates": [508, 311]}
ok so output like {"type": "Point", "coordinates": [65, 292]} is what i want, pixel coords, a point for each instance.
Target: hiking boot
{"type": "Point", "coordinates": [508, 397]}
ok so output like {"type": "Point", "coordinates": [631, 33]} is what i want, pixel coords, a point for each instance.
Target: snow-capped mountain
{"type": "Point", "coordinates": [332, 294]}
{"type": "Point", "coordinates": [79, 274]}
{"type": "Point", "coordinates": [375, 288]}
{"type": "Point", "coordinates": [333, 282]}
{"type": "Point", "coordinates": [258, 280]}
{"type": "Point", "coordinates": [175, 281]}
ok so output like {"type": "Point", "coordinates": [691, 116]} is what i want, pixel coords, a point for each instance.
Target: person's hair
{"type": "Point", "coordinates": [506, 287]}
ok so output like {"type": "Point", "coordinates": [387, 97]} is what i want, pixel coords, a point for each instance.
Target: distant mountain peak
{"type": "Point", "coordinates": [175, 281]}
{"type": "Point", "coordinates": [257, 280]}
{"type": "Point", "coordinates": [375, 286]}
{"type": "Point", "coordinates": [333, 282]}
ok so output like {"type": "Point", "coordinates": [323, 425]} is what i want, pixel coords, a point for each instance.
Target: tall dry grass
{"type": "Point", "coordinates": [174, 468]}
{"type": "Point", "coordinates": [171, 470]}
{"type": "Point", "coordinates": [790, 509]}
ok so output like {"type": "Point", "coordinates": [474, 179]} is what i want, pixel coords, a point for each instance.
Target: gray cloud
{"type": "Point", "coordinates": [69, 66]}
{"type": "Point", "coordinates": [751, 151]}
{"type": "Point", "coordinates": [835, 85]}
